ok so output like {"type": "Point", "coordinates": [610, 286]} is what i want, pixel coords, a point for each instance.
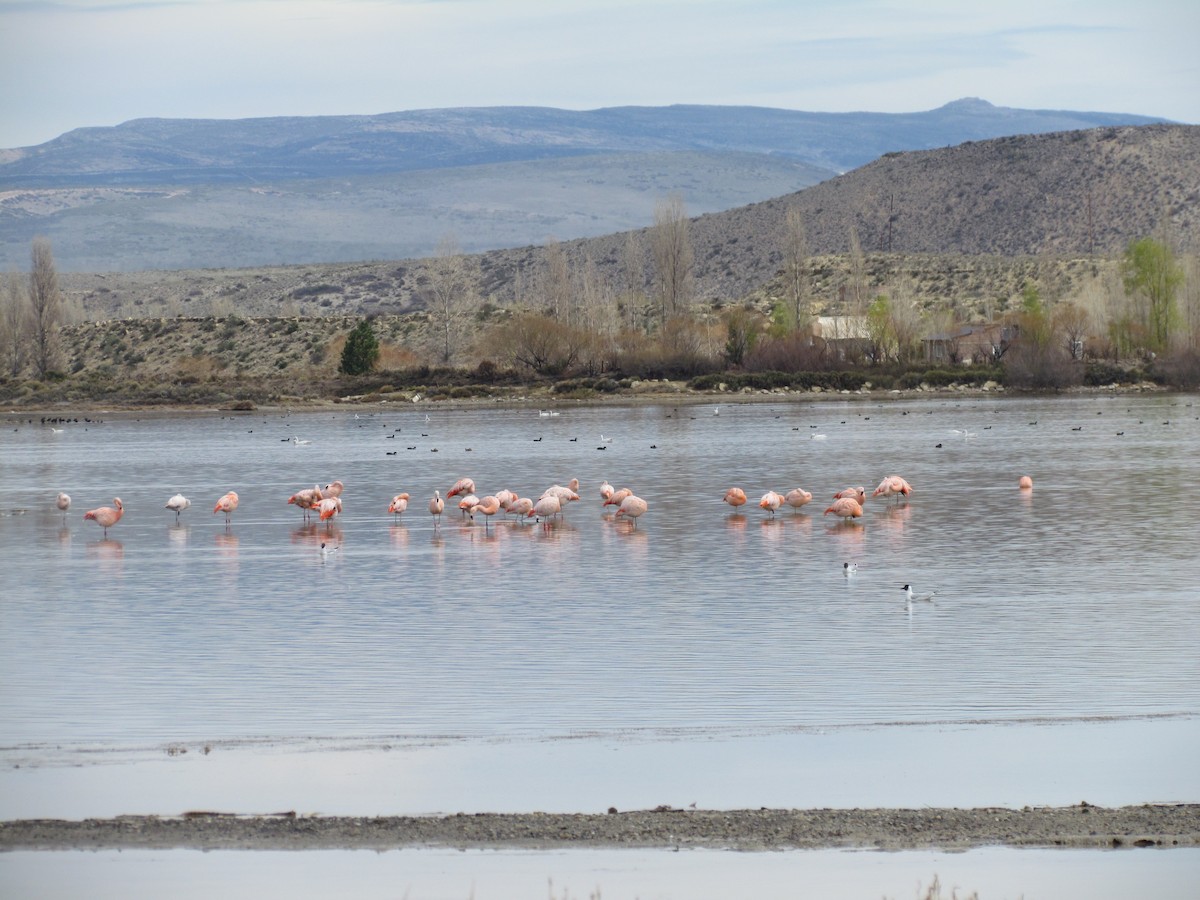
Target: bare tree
{"type": "Point", "coordinates": [795, 266]}
{"type": "Point", "coordinates": [633, 260]}
{"type": "Point", "coordinates": [672, 257]}
{"type": "Point", "coordinates": [453, 285]}
{"type": "Point", "coordinates": [597, 306]}
{"type": "Point", "coordinates": [45, 304]}
{"type": "Point", "coordinates": [857, 294]}
{"type": "Point", "coordinates": [556, 283]}
{"type": "Point", "coordinates": [15, 322]}
{"type": "Point", "coordinates": [1072, 322]}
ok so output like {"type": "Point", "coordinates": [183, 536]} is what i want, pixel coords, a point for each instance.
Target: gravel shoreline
{"type": "Point", "coordinates": [1082, 826]}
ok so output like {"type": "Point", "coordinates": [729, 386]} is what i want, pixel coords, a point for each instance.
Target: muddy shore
{"type": "Point", "coordinates": [1082, 826]}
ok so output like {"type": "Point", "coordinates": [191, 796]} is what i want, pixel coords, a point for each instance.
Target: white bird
{"type": "Point", "coordinates": [63, 502]}
{"type": "Point", "coordinates": [604, 439]}
{"type": "Point", "coordinates": [326, 549]}
{"type": "Point", "coordinates": [849, 569]}
{"type": "Point", "coordinates": [716, 410]}
{"type": "Point", "coordinates": [178, 503]}
{"type": "Point", "coordinates": [910, 596]}
{"type": "Point", "coordinates": [298, 442]}
{"type": "Point", "coordinates": [817, 437]}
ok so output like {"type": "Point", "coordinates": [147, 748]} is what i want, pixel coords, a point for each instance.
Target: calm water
{"type": "Point", "coordinates": [1076, 601]}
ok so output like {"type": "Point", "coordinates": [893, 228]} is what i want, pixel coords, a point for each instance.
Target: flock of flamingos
{"type": "Point", "coordinates": [326, 502]}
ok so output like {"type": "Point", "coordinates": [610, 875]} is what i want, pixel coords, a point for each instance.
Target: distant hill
{"type": "Point", "coordinates": [967, 224]}
{"type": "Point", "coordinates": [164, 193]}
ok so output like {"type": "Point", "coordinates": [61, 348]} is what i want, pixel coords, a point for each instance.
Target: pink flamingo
{"type": "Point", "coordinates": [634, 507]}
{"type": "Point", "coordinates": [106, 516]}
{"type": "Point", "coordinates": [797, 497]}
{"type": "Point", "coordinates": [893, 486]}
{"type": "Point", "coordinates": [333, 489]}
{"type": "Point", "coordinates": [488, 507]}
{"type": "Point", "coordinates": [606, 490]}
{"type": "Point", "coordinates": [436, 506]}
{"type": "Point", "coordinates": [306, 499]}
{"type": "Point", "coordinates": [735, 497]}
{"type": "Point", "coordinates": [227, 504]}
{"type": "Point", "coordinates": [618, 497]}
{"type": "Point", "coordinates": [845, 508]}
{"type": "Point", "coordinates": [857, 493]}
{"type": "Point", "coordinates": [505, 499]}
{"type": "Point", "coordinates": [564, 494]}
{"type": "Point", "coordinates": [1026, 483]}
{"type": "Point", "coordinates": [328, 508]}
{"type": "Point", "coordinates": [398, 505]}
{"type": "Point", "coordinates": [465, 503]}
{"type": "Point", "coordinates": [462, 486]}
{"type": "Point", "coordinates": [63, 502]}
{"type": "Point", "coordinates": [522, 507]}
{"type": "Point", "coordinates": [771, 501]}
{"type": "Point", "coordinates": [545, 508]}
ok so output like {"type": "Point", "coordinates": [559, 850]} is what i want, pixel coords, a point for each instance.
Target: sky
{"type": "Point", "coordinates": [68, 64]}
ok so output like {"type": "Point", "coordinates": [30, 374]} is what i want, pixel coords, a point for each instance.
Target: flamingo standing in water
{"type": "Point", "coordinates": [857, 493]}
{"type": "Point", "coordinates": [177, 504]}
{"type": "Point", "coordinates": [797, 497]}
{"type": "Point", "coordinates": [466, 502]}
{"type": "Point", "coordinates": [735, 497]}
{"type": "Point", "coordinates": [1025, 484]}
{"type": "Point", "coordinates": [106, 516]}
{"type": "Point", "coordinates": [632, 506]}
{"type": "Point", "coordinates": [398, 505]}
{"type": "Point", "coordinates": [328, 508]}
{"type": "Point", "coordinates": [462, 486]}
{"type": "Point", "coordinates": [845, 508]}
{"type": "Point", "coordinates": [606, 490]}
{"type": "Point", "coordinates": [306, 500]}
{"type": "Point", "coordinates": [227, 504]}
{"type": "Point", "coordinates": [333, 489]}
{"type": "Point", "coordinates": [893, 486]}
{"type": "Point", "coordinates": [486, 507]}
{"type": "Point", "coordinates": [436, 506]}
{"type": "Point", "coordinates": [546, 507]}
{"type": "Point", "coordinates": [63, 502]}
{"type": "Point", "coordinates": [522, 507]}
{"type": "Point", "coordinates": [771, 501]}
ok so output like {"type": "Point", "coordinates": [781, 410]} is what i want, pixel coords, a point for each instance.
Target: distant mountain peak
{"type": "Point", "coordinates": [969, 104]}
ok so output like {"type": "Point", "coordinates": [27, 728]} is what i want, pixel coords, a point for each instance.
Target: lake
{"type": "Point", "coordinates": [703, 655]}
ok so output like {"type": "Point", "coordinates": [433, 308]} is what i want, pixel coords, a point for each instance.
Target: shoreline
{"type": "Point", "coordinates": [1083, 826]}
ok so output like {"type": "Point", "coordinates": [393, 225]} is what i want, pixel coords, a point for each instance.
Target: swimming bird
{"type": "Point", "coordinates": [462, 486]}
{"type": "Point", "coordinates": [398, 505]}
{"type": "Point", "coordinates": [911, 597]}
{"type": "Point", "coordinates": [845, 508]}
{"type": "Point", "coordinates": [298, 442]}
{"type": "Point", "coordinates": [227, 504]}
{"type": "Point", "coordinates": [771, 501]}
{"type": "Point", "coordinates": [604, 439]}
{"type": "Point", "coordinates": [326, 550]}
{"type": "Point", "coordinates": [106, 516]}
{"type": "Point", "coordinates": [893, 486]}
{"type": "Point", "coordinates": [797, 497]}
{"type": "Point", "coordinates": [735, 497]}
{"type": "Point", "coordinates": [178, 504]}
{"type": "Point", "coordinates": [633, 507]}
{"type": "Point", "coordinates": [436, 506]}
{"type": "Point", "coordinates": [849, 569]}
{"type": "Point", "coordinates": [63, 502]}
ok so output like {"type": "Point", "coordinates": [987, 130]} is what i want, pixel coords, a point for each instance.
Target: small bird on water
{"type": "Point", "coordinates": [911, 597]}
{"type": "Point", "coordinates": [849, 569]}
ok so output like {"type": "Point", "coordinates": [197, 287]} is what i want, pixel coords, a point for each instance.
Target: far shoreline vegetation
{"type": "Point", "coordinates": [572, 338]}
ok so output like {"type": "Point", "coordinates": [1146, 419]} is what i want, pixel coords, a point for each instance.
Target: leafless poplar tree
{"type": "Point", "coordinates": [14, 325]}
{"type": "Point", "coordinates": [857, 293]}
{"type": "Point", "coordinates": [633, 262]}
{"type": "Point", "coordinates": [45, 303]}
{"type": "Point", "coordinates": [672, 257]}
{"type": "Point", "coordinates": [556, 284]}
{"type": "Point", "coordinates": [453, 285]}
{"type": "Point", "coordinates": [795, 266]}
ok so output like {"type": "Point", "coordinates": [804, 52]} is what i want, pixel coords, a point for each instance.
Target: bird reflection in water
{"type": "Point", "coordinates": [177, 534]}
{"type": "Point", "coordinates": [399, 536]}
{"type": "Point", "coordinates": [109, 553]}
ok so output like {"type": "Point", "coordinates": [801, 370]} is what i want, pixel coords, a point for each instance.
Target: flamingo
{"type": "Point", "coordinates": [771, 501]}
{"type": "Point", "coordinates": [462, 486]}
{"type": "Point", "coordinates": [735, 497]}
{"type": "Point", "coordinates": [333, 489]}
{"type": "Point", "coordinates": [797, 497]}
{"type": "Point", "coordinates": [488, 507]}
{"type": "Point", "coordinates": [63, 502]}
{"type": "Point", "coordinates": [106, 516]}
{"type": "Point", "coordinates": [328, 508]}
{"type": "Point", "coordinates": [178, 504]}
{"type": "Point", "coordinates": [522, 507]}
{"type": "Point", "coordinates": [845, 508]}
{"type": "Point", "coordinates": [436, 505]}
{"type": "Point", "coordinates": [466, 502]}
{"type": "Point", "coordinates": [546, 507]}
{"type": "Point", "coordinates": [893, 486]}
{"type": "Point", "coordinates": [564, 494]}
{"type": "Point", "coordinates": [857, 493]}
{"type": "Point", "coordinates": [505, 499]}
{"type": "Point", "coordinates": [306, 499]}
{"type": "Point", "coordinates": [227, 504]}
{"type": "Point", "coordinates": [618, 497]}
{"type": "Point", "coordinates": [398, 505]}
{"type": "Point", "coordinates": [1025, 484]}
{"type": "Point", "coordinates": [606, 490]}
{"type": "Point", "coordinates": [632, 506]}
